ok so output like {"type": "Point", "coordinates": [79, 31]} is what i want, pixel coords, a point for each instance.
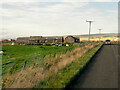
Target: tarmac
{"type": "Point", "coordinates": [102, 71]}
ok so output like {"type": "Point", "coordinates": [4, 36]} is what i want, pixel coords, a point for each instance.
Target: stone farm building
{"type": "Point", "coordinates": [23, 39]}
{"type": "Point", "coordinates": [48, 39]}
{"type": "Point", "coordinates": [40, 39]}
{"type": "Point", "coordinates": [71, 39]}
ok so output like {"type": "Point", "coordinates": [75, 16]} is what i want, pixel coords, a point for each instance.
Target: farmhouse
{"type": "Point", "coordinates": [71, 39]}
{"type": "Point", "coordinates": [23, 39]}
{"type": "Point", "coordinates": [40, 39]}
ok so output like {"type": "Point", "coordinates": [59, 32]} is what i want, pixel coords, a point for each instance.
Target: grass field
{"type": "Point", "coordinates": [43, 62]}
{"type": "Point", "coordinates": [18, 54]}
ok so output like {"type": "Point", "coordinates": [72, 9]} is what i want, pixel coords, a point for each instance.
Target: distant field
{"type": "Point", "coordinates": [97, 39]}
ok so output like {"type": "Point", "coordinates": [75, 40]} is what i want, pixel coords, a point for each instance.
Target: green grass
{"type": "Point", "coordinates": [44, 56]}
{"type": "Point", "coordinates": [66, 75]}
{"type": "Point", "coordinates": [18, 54]}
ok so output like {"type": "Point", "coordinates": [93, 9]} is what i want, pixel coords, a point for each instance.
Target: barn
{"type": "Point", "coordinates": [22, 40]}
{"type": "Point", "coordinates": [54, 39]}
{"type": "Point", "coordinates": [48, 39]}
{"type": "Point", "coordinates": [40, 39]}
{"type": "Point", "coordinates": [71, 39]}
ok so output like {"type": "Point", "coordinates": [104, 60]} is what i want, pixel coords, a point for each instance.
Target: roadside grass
{"type": "Point", "coordinates": [33, 54]}
{"type": "Point", "coordinates": [43, 62]}
{"type": "Point", "coordinates": [42, 65]}
{"type": "Point", "coordinates": [66, 75]}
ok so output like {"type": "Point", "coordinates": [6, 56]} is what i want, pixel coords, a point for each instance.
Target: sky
{"type": "Point", "coordinates": [57, 18]}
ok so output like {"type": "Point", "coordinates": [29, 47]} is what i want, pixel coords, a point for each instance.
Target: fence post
{"type": "Point", "coordinates": [25, 64]}
{"type": "Point", "coordinates": [12, 68]}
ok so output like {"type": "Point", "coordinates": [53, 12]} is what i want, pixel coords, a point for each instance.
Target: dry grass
{"type": "Point", "coordinates": [33, 75]}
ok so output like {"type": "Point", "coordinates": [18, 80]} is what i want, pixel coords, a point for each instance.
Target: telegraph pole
{"type": "Point", "coordinates": [99, 34]}
{"type": "Point", "coordinates": [89, 28]}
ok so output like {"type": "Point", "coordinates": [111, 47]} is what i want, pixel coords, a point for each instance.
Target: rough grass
{"type": "Point", "coordinates": [36, 56]}
{"type": "Point", "coordinates": [18, 54]}
{"type": "Point", "coordinates": [66, 75]}
{"type": "Point", "coordinates": [42, 72]}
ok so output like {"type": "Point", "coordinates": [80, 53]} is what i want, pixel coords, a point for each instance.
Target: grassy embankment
{"type": "Point", "coordinates": [45, 65]}
{"type": "Point", "coordinates": [36, 56]}
{"type": "Point", "coordinates": [66, 75]}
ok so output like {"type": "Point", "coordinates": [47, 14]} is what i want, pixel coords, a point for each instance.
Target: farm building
{"type": "Point", "coordinates": [54, 39]}
{"type": "Point", "coordinates": [40, 39]}
{"type": "Point", "coordinates": [35, 39]}
{"type": "Point", "coordinates": [11, 40]}
{"type": "Point", "coordinates": [47, 39]}
{"type": "Point", "coordinates": [5, 40]}
{"type": "Point", "coordinates": [71, 39]}
{"type": "Point", "coordinates": [23, 39]}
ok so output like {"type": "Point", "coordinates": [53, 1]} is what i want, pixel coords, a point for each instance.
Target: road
{"type": "Point", "coordinates": [102, 72]}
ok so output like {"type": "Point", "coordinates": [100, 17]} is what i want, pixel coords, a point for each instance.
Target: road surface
{"type": "Point", "coordinates": [102, 72]}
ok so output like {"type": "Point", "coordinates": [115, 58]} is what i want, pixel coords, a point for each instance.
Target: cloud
{"type": "Point", "coordinates": [113, 11]}
{"type": "Point", "coordinates": [105, 0]}
{"type": "Point", "coordinates": [34, 1]}
{"type": "Point", "coordinates": [63, 18]}
{"type": "Point", "coordinates": [28, 1]}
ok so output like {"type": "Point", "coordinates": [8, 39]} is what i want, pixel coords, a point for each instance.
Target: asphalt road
{"type": "Point", "coordinates": [102, 72]}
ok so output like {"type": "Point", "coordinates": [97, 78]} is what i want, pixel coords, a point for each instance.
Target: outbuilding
{"type": "Point", "coordinates": [71, 39]}
{"type": "Point", "coordinates": [50, 39]}
{"type": "Point", "coordinates": [53, 39]}
{"type": "Point", "coordinates": [35, 39]}
{"type": "Point", "coordinates": [22, 40]}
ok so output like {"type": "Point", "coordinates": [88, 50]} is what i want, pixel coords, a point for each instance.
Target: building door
{"type": "Point", "coordinates": [38, 41]}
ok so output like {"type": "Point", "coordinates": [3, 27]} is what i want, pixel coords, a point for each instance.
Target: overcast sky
{"type": "Point", "coordinates": [58, 17]}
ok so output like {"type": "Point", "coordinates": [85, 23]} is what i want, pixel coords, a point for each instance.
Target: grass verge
{"type": "Point", "coordinates": [37, 67]}
{"type": "Point", "coordinates": [65, 76]}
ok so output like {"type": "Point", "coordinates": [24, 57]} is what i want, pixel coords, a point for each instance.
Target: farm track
{"type": "Point", "coordinates": [102, 72]}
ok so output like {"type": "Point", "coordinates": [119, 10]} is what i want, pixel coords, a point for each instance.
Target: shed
{"type": "Point", "coordinates": [22, 40]}
{"type": "Point", "coordinates": [71, 39]}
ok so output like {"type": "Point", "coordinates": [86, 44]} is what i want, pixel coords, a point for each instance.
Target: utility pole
{"type": "Point", "coordinates": [89, 28]}
{"type": "Point", "coordinates": [99, 34]}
